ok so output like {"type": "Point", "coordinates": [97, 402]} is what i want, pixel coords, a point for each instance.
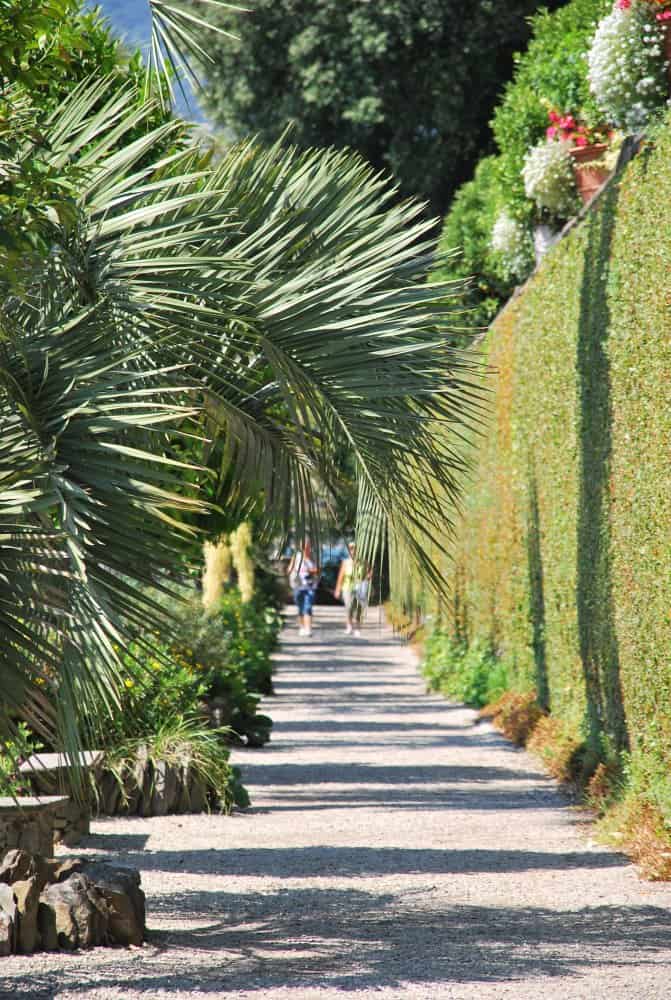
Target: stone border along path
{"type": "Point", "coordinates": [395, 849]}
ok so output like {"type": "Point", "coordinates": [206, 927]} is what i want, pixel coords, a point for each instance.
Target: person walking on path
{"type": "Point", "coordinates": [303, 579]}
{"type": "Point", "coordinates": [353, 583]}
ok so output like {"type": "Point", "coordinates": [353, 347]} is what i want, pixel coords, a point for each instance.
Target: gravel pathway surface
{"type": "Point", "coordinates": [395, 849]}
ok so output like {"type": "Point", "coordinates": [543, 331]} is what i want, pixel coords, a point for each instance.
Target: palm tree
{"type": "Point", "coordinates": [231, 325]}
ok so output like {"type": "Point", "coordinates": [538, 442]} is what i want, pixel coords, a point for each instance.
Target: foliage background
{"type": "Point", "coordinates": [563, 558]}
{"type": "Point", "coordinates": [410, 84]}
{"type": "Point", "coordinates": [468, 231]}
{"type": "Point", "coordinates": [550, 74]}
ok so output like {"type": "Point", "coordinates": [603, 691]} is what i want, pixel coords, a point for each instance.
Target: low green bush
{"type": "Point", "coordinates": [175, 741]}
{"type": "Point", "coordinates": [471, 674]}
{"type": "Point", "coordinates": [193, 689]}
{"type": "Point", "coordinates": [12, 754]}
{"type": "Point", "coordinates": [251, 633]}
{"type": "Point", "coordinates": [221, 658]}
{"type": "Point", "coordinates": [466, 249]}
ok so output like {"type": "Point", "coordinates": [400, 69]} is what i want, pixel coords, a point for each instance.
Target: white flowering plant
{"type": "Point", "coordinates": [512, 242]}
{"type": "Point", "coordinates": [549, 180]}
{"type": "Point", "coordinates": [627, 66]}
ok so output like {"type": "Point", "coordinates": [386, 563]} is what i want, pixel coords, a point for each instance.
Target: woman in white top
{"type": "Point", "coordinates": [353, 583]}
{"type": "Point", "coordinates": [303, 578]}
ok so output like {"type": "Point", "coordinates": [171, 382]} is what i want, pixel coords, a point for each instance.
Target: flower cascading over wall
{"type": "Point", "coordinates": [548, 178]}
{"type": "Point", "coordinates": [512, 241]}
{"type": "Point", "coordinates": [627, 64]}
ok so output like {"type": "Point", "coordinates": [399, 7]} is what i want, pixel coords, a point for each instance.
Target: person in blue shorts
{"type": "Point", "coordinates": [303, 579]}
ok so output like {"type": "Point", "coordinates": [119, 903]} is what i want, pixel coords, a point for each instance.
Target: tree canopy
{"type": "Point", "coordinates": [410, 84]}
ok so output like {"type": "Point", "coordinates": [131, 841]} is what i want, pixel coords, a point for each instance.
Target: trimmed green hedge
{"type": "Point", "coordinates": [563, 557]}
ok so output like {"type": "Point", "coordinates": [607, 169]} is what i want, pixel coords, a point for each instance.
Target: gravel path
{"type": "Point", "coordinates": [394, 849]}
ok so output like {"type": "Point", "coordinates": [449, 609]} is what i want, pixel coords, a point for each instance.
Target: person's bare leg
{"type": "Point", "coordinates": [358, 609]}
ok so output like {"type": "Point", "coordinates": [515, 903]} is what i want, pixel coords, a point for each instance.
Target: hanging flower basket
{"type": "Point", "coordinates": [589, 169]}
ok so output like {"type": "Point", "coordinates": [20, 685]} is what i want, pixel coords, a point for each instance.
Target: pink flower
{"type": "Point", "coordinates": [551, 132]}
{"type": "Point", "coordinates": [554, 117]}
{"type": "Point", "coordinates": [624, 4]}
{"type": "Point", "coordinates": [580, 140]}
{"type": "Point", "coordinates": [664, 15]}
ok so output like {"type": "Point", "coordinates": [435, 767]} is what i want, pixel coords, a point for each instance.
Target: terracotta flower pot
{"type": "Point", "coordinates": [588, 179]}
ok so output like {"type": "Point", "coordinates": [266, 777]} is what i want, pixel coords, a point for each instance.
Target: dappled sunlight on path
{"type": "Point", "coordinates": [394, 849]}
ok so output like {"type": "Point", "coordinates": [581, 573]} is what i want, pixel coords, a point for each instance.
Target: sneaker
{"type": "Point", "coordinates": [357, 633]}
{"type": "Point", "coordinates": [348, 629]}
{"type": "Point", "coordinates": [301, 631]}
{"type": "Point", "coordinates": [308, 631]}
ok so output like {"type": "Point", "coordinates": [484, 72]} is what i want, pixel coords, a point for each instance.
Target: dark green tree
{"type": "Point", "coordinates": [410, 84]}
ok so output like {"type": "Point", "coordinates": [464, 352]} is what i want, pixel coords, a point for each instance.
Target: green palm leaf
{"type": "Point", "coordinates": [175, 38]}
{"type": "Point", "coordinates": [255, 317]}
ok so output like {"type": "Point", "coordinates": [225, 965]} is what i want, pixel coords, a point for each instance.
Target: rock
{"type": "Point", "coordinates": [166, 790]}
{"type": "Point", "coordinates": [16, 866]}
{"type": "Point", "coordinates": [183, 804]}
{"type": "Point", "coordinates": [27, 898]}
{"type": "Point", "coordinates": [62, 870]}
{"type": "Point", "coordinates": [8, 920]}
{"type": "Point", "coordinates": [72, 914]}
{"type": "Point", "coordinates": [19, 865]}
{"type": "Point", "coordinates": [159, 793]}
{"type": "Point", "coordinates": [197, 795]}
{"type": "Point", "coordinates": [145, 780]}
{"type": "Point", "coordinates": [108, 795]}
{"type": "Point", "coordinates": [44, 868]}
{"type": "Point", "coordinates": [120, 888]}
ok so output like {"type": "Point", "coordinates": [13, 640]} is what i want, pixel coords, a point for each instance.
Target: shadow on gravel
{"type": "Point", "coordinates": [362, 774]}
{"type": "Point", "coordinates": [119, 843]}
{"type": "Point", "coordinates": [313, 862]}
{"type": "Point", "coordinates": [351, 940]}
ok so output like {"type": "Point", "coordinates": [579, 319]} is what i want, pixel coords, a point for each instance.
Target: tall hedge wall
{"type": "Point", "coordinates": [563, 556]}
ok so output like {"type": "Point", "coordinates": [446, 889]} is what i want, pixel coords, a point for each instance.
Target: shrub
{"type": "Point", "coordinates": [178, 741]}
{"type": "Point", "coordinates": [560, 747]}
{"type": "Point", "coordinates": [602, 787]}
{"type": "Point", "coordinates": [466, 243]}
{"type": "Point", "coordinates": [222, 657]}
{"type": "Point", "coordinates": [516, 714]}
{"type": "Point", "coordinates": [638, 828]}
{"type": "Point", "coordinates": [13, 753]}
{"type": "Point", "coordinates": [627, 72]}
{"type": "Point", "coordinates": [251, 629]}
{"type": "Point", "coordinates": [229, 651]}
{"type": "Point", "coordinates": [472, 675]}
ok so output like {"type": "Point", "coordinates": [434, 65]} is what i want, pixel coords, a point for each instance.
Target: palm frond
{"type": "Point", "coordinates": [176, 34]}
{"type": "Point", "coordinates": [275, 303]}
